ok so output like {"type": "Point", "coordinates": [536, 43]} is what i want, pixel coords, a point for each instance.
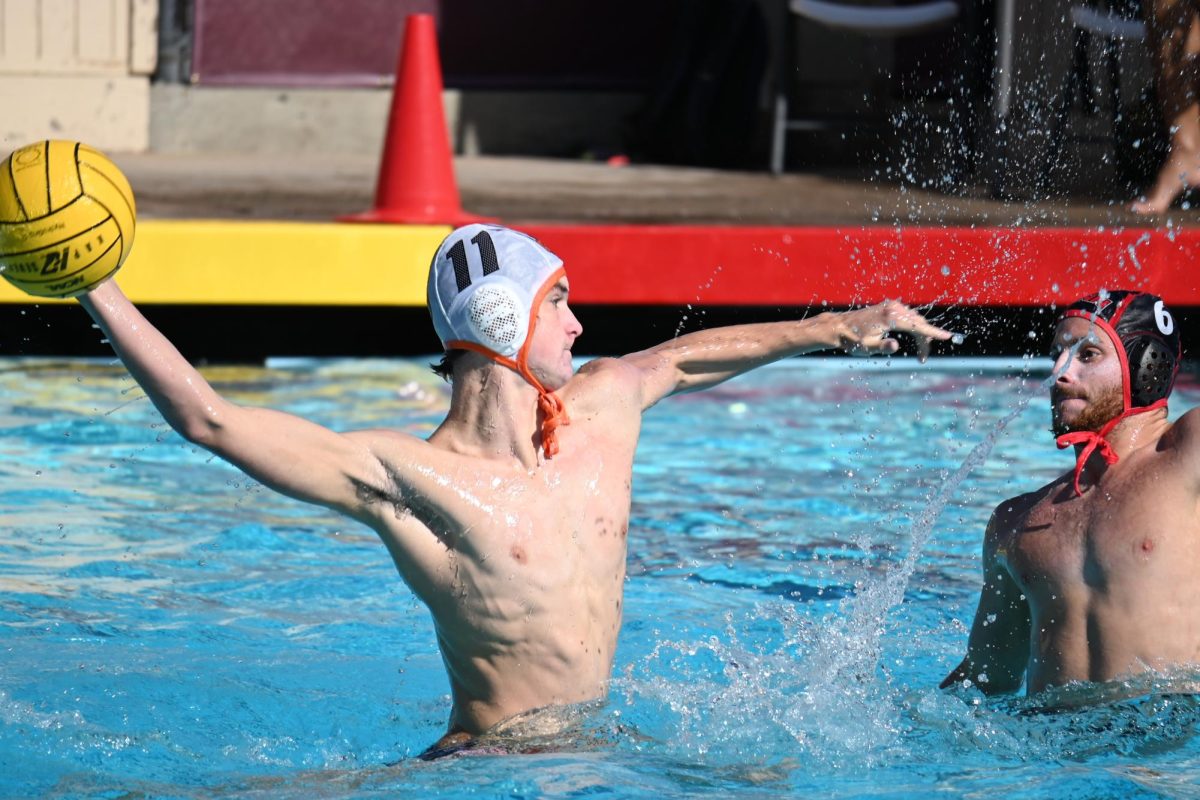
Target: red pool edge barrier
{"type": "Point", "coordinates": [807, 266]}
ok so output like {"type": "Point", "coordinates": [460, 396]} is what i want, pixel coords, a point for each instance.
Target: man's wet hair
{"type": "Point", "coordinates": [445, 368]}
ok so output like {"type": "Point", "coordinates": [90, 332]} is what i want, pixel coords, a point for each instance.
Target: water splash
{"type": "Point", "coordinates": [817, 687]}
{"type": "Point", "coordinates": [700, 290]}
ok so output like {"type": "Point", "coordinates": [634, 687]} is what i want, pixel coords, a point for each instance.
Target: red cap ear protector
{"type": "Point", "coordinates": [1148, 344]}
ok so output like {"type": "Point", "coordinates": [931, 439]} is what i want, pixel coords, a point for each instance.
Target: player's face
{"type": "Point", "coordinates": [556, 332]}
{"type": "Point", "coordinates": [1087, 389]}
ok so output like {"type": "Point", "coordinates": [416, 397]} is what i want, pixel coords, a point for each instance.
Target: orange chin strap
{"type": "Point", "coordinates": [554, 412]}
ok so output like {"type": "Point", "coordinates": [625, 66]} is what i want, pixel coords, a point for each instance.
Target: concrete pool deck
{"type": "Point", "coordinates": [309, 188]}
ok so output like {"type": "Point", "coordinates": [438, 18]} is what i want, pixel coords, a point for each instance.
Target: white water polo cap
{"type": "Point", "coordinates": [483, 285]}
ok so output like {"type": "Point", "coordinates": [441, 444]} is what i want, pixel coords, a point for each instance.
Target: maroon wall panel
{"type": "Point", "coordinates": [299, 42]}
{"type": "Point", "coordinates": [617, 44]}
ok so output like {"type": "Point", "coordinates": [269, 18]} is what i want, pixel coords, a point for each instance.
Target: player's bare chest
{"type": "Point", "coordinates": [1124, 524]}
{"type": "Point", "coordinates": [556, 523]}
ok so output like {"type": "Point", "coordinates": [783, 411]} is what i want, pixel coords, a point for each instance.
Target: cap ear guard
{"type": "Point", "coordinates": [1147, 335]}
{"type": "Point", "coordinates": [1151, 339]}
{"type": "Point", "coordinates": [495, 316]}
{"type": "Point", "coordinates": [1151, 370]}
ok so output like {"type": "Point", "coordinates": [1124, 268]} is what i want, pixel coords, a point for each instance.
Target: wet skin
{"type": "Point", "coordinates": [522, 565]}
{"type": "Point", "coordinates": [1104, 585]}
{"type": "Point", "coordinates": [519, 558]}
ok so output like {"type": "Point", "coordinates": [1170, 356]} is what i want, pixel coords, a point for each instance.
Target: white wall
{"type": "Point", "coordinates": [77, 69]}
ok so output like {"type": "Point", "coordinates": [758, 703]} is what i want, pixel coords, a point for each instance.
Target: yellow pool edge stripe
{"type": "Point", "coordinates": [222, 262]}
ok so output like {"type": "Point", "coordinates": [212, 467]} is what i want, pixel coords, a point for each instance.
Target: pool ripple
{"type": "Point", "coordinates": [171, 628]}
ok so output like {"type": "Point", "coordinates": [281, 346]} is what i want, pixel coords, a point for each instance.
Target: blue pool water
{"type": "Point", "coordinates": [803, 566]}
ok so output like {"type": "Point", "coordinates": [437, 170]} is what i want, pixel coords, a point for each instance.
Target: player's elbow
{"type": "Point", "coordinates": [696, 374]}
{"type": "Point", "coordinates": [214, 422]}
{"type": "Point", "coordinates": [949, 681]}
{"type": "Point", "coordinates": [1001, 684]}
{"type": "Point", "coordinates": [198, 431]}
{"type": "Point", "coordinates": [995, 681]}
{"type": "Point", "coordinates": [956, 676]}
{"type": "Point", "coordinates": [202, 426]}
{"type": "Point", "coordinates": [683, 381]}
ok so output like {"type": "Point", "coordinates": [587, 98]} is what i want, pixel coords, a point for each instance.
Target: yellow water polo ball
{"type": "Point", "coordinates": [66, 218]}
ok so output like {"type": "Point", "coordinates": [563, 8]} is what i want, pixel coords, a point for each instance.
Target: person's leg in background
{"type": "Point", "coordinates": [1173, 28]}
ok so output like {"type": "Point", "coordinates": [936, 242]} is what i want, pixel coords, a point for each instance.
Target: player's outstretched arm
{"type": "Point", "coordinates": [705, 358]}
{"type": "Point", "coordinates": [284, 452]}
{"type": "Point", "coordinates": [998, 647]}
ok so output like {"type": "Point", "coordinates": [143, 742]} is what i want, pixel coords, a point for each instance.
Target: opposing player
{"type": "Point", "coordinates": [1096, 576]}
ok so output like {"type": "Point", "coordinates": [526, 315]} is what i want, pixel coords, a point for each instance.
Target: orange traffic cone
{"type": "Point", "coordinates": [416, 176]}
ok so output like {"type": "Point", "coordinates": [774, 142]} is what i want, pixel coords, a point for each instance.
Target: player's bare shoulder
{"type": "Point", "coordinates": [383, 440]}
{"type": "Point", "coordinates": [1184, 433]}
{"type": "Point", "coordinates": [388, 450]}
{"type": "Point", "coordinates": [1181, 442]}
{"type": "Point", "coordinates": [1012, 515]}
{"type": "Point", "coordinates": [604, 388]}
{"type": "Point", "coordinates": [407, 459]}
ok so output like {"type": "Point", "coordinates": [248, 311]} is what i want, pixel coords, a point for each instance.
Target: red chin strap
{"type": "Point", "coordinates": [1095, 440]}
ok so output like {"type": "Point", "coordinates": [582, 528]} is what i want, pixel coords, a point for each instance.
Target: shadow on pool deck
{"type": "Point", "coordinates": [320, 187]}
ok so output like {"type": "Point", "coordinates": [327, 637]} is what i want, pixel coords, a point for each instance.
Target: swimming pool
{"type": "Point", "coordinates": [803, 567]}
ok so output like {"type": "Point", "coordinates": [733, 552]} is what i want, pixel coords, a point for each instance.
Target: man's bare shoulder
{"type": "Point", "coordinates": [1010, 514]}
{"type": "Point", "coordinates": [1181, 443]}
{"type": "Point", "coordinates": [393, 445]}
{"type": "Point", "coordinates": [370, 436]}
{"type": "Point", "coordinates": [1184, 432]}
{"type": "Point", "coordinates": [609, 369]}
{"type": "Point", "coordinates": [603, 384]}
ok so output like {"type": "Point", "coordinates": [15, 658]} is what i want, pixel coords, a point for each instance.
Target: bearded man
{"type": "Point", "coordinates": [1096, 576]}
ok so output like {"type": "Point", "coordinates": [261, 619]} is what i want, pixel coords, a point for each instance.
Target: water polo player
{"type": "Point", "coordinates": [1096, 576]}
{"type": "Point", "coordinates": [510, 521]}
